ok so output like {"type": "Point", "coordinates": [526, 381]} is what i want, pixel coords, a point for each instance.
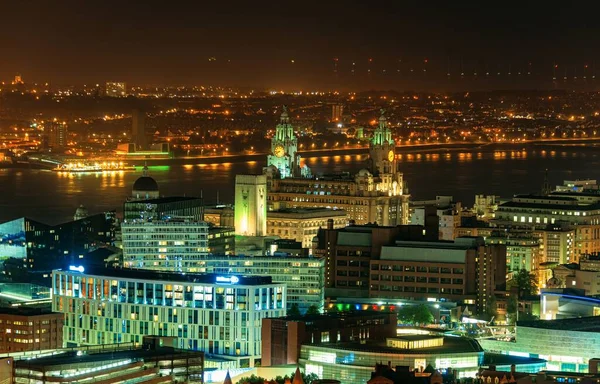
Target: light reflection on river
{"type": "Point", "coordinates": [52, 197]}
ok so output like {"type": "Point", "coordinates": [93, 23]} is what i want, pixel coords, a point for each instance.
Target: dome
{"type": "Point", "coordinates": [364, 173]}
{"type": "Point", "coordinates": [80, 213]}
{"type": "Point", "coordinates": [145, 183]}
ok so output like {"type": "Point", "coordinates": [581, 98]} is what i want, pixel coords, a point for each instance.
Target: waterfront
{"type": "Point", "coordinates": [53, 197]}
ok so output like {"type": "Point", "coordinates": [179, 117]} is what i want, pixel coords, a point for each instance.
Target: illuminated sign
{"type": "Point", "coordinates": [228, 279]}
{"type": "Point", "coordinates": [76, 269]}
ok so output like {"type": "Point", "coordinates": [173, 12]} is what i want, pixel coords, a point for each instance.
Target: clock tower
{"type": "Point", "coordinates": [284, 148]}
{"type": "Point", "coordinates": [382, 149]}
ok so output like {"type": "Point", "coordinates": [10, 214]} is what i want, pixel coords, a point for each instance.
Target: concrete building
{"type": "Point", "coordinates": [251, 205]}
{"type": "Point", "coordinates": [374, 195]}
{"type": "Point", "coordinates": [221, 240]}
{"type": "Point", "coordinates": [155, 361]}
{"type": "Point", "coordinates": [466, 271]}
{"type": "Point", "coordinates": [485, 206]}
{"type": "Point", "coordinates": [557, 244]}
{"type": "Point", "coordinates": [219, 315]}
{"type": "Point", "coordinates": [220, 215]}
{"type": "Point", "coordinates": [584, 276]}
{"type": "Point", "coordinates": [162, 208]}
{"type": "Point", "coordinates": [303, 276]}
{"type": "Point", "coordinates": [582, 211]}
{"type": "Point", "coordinates": [30, 329]}
{"type": "Point", "coordinates": [522, 250]}
{"type": "Point", "coordinates": [448, 212]}
{"type": "Point", "coordinates": [349, 251]}
{"type": "Point", "coordinates": [283, 337]}
{"type": "Point", "coordinates": [166, 245]}
{"type": "Point", "coordinates": [302, 224]}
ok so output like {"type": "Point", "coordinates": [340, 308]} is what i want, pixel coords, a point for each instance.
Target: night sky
{"type": "Point", "coordinates": [413, 45]}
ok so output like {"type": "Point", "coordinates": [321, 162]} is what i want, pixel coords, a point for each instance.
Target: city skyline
{"type": "Point", "coordinates": [332, 45]}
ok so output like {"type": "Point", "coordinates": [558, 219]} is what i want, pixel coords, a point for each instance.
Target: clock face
{"type": "Point", "coordinates": [279, 151]}
{"type": "Point", "coordinates": [391, 156]}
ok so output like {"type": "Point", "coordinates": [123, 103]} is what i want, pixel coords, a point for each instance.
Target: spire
{"type": "Point", "coordinates": [145, 169]}
{"type": "Point", "coordinates": [298, 377]}
{"type": "Point", "coordinates": [227, 378]}
{"type": "Point", "coordinates": [382, 119]}
{"type": "Point", "coordinates": [284, 115]}
{"type": "Point", "coordinates": [546, 186]}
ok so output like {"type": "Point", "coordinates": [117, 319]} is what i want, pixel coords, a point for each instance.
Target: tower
{"type": "Point", "coordinates": [138, 129]}
{"type": "Point", "coordinates": [251, 205]}
{"type": "Point", "coordinates": [284, 148]}
{"type": "Point", "coordinates": [382, 149]}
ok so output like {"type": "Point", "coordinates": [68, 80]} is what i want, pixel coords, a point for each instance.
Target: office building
{"type": "Point", "coordinates": [154, 361]}
{"type": "Point", "coordinates": [557, 244]}
{"type": "Point", "coordinates": [349, 251]}
{"type": "Point", "coordinates": [221, 240]}
{"type": "Point", "coordinates": [303, 276]}
{"type": "Point", "coordinates": [114, 89]}
{"type": "Point", "coordinates": [219, 315]}
{"type": "Point", "coordinates": [302, 224]}
{"type": "Point", "coordinates": [138, 130]}
{"type": "Point", "coordinates": [465, 271]}
{"type": "Point", "coordinates": [374, 195]}
{"type": "Point", "coordinates": [251, 205]}
{"type": "Point", "coordinates": [352, 362]}
{"type": "Point", "coordinates": [582, 211]}
{"type": "Point", "coordinates": [337, 111]}
{"type": "Point", "coordinates": [167, 245]}
{"type": "Point", "coordinates": [162, 208]}
{"type": "Point", "coordinates": [522, 250]}
{"type": "Point", "coordinates": [32, 249]}
{"type": "Point", "coordinates": [30, 329]}
{"type": "Point", "coordinates": [56, 134]}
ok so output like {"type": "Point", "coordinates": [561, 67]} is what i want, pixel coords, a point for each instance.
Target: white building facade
{"type": "Point", "coordinates": [220, 315]}
{"type": "Point", "coordinates": [171, 245]}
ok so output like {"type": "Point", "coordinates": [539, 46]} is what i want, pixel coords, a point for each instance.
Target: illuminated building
{"type": "Point", "coordinates": [522, 250]}
{"type": "Point", "coordinates": [166, 245]}
{"type": "Point", "coordinates": [567, 303]}
{"type": "Point", "coordinates": [219, 315]}
{"type": "Point", "coordinates": [336, 112]}
{"type": "Point", "coordinates": [30, 329]}
{"type": "Point", "coordinates": [251, 205]}
{"type": "Point", "coordinates": [486, 206]}
{"type": "Point", "coordinates": [161, 208]}
{"type": "Point", "coordinates": [138, 129]}
{"type": "Point", "coordinates": [18, 79]}
{"type": "Point", "coordinates": [33, 249]}
{"type": "Point", "coordinates": [56, 134]}
{"type": "Point", "coordinates": [284, 156]}
{"type": "Point", "coordinates": [579, 210]}
{"type": "Point", "coordinates": [448, 212]}
{"type": "Point", "coordinates": [377, 195]}
{"type": "Point", "coordinates": [155, 361]}
{"type": "Point", "coordinates": [116, 89]}
{"type": "Point", "coordinates": [303, 276]}
{"type": "Point", "coordinates": [283, 337]}
{"type": "Point", "coordinates": [220, 215]}
{"type": "Point", "coordinates": [221, 240]}
{"type": "Point", "coordinates": [566, 344]}
{"type": "Point", "coordinates": [352, 362]}
{"type": "Point", "coordinates": [466, 271]}
{"type": "Point", "coordinates": [80, 213]}
{"type": "Point", "coordinates": [302, 224]}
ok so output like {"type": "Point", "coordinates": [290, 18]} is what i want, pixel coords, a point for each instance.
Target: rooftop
{"type": "Point", "coordinates": [583, 324]}
{"type": "Point", "coordinates": [334, 316]}
{"type": "Point", "coordinates": [456, 345]}
{"type": "Point", "coordinates": [306, 212]}
{"type": "Point", "coordinates": [27, 311]}
{"type": "Point", "coordinates": [164, 200]}
{"type": "Point", "coordinates": [139, 274]}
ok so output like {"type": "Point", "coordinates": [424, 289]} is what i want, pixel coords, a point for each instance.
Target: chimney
{"type": "Point", "coordinates": [329, 223]}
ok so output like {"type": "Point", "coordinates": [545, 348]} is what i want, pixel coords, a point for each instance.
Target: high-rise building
{"type": "Point", "coordinates": [116, 89]}
{"type": "Point", "coordinates": [219, 315]}
{"type": "Point", "coordinates": [56, 134]}
{"type": "Point", "coordinates": [377, 195]}
{"type": "Point", "coordinates": [284, 158]}
{"type": "Point", "coordinates": [251, 205]}
{"type": "Point", "coordinates": [337, 111]}
{"type": "Point", "coordinates": [138, 129]}
{"type": "Point", "coordinates": [174, 245]}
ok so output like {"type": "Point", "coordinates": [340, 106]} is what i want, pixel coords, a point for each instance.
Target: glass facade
{"type": "Point", "coordinates": [220, 318]}
{"type": "Point", "coordinates": [354, 365]}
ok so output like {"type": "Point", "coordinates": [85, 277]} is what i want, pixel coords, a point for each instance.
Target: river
{"type": "Point", "coordinates": [52, 198]}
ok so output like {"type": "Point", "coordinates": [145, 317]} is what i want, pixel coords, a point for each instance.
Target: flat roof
{"type": "Point", "coordinates": [582, 324]}
{"type": "Point", "coordinates": [305, 212]}
{"type": "Point", "coordinates": [334, 316]}
{"type": "Point", "coordinates": [28, 310]}
{"type": "Point", "coordinates": [163, 200]}
{"type": "Point", "coordinates": [140, 274]}
{"type": "Point", "coordinates": [71, 357]}
{"type": "Point", "coordinates": [452, 345]}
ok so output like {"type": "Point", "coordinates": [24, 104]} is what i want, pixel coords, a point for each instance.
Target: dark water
{"type": "Point", "coordinates": [50, 197]}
